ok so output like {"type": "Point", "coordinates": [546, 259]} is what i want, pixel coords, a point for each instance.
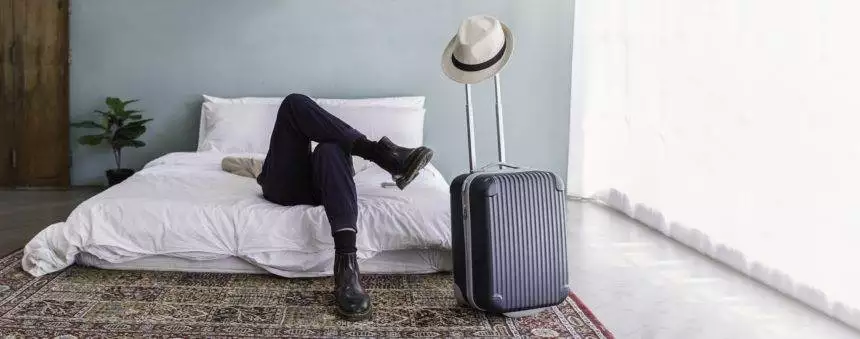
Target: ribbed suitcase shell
{"type": "Point", "coordinates": [516, 254]}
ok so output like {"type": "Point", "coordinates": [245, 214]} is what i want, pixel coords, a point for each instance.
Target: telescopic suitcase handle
{"type": "Point", "coordinates": [500, 126]}
{"type": "Point", "coordinates": [498, 164]}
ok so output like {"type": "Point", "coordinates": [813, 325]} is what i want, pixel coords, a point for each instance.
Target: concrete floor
{"type": "Point", "coordinates": [641, 284]}
{"type": "Point", "coordinates": [25, 213]}
{"type": "Point", "coordinates": [638, 283]}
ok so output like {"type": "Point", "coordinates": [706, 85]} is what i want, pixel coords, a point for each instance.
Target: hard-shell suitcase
{"type": "Point", "coordinates": [508, 233]}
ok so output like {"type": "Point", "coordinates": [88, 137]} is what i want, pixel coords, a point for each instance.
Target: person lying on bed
{"type": "Point", "coordinates": [293, 175]}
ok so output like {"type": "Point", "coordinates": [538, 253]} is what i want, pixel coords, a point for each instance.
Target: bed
{"type": "Point", "coordinates": [183, 212]}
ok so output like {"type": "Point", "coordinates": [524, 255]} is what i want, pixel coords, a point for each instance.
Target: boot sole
{"type": "Point", "coordinates": [417, 160]}
{"type": "Point", "coordinates": [357, 316]}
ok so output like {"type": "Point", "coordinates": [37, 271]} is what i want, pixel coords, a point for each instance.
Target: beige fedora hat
{"type": "Point", "coordinates": [480, 49]}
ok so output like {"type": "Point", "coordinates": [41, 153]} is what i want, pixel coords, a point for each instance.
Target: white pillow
{"type": "Point", "coordinates": [405, 102]}
{"type": "Point", "coordinates": [247, 127]}
{"type": "Point", "coordinates": [236, 128]}
{"type": "Point", "coordinates": [404, 126]}
{"type": "Point", "coordinates": [244, 100]}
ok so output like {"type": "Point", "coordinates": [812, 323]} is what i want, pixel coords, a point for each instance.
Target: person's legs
{"type": "Point", "coordinates": [314, 123]}
{"type": "Point", "coordinates": [317, 124]}
{"type": "Point", "coordinates": [291, 175]}
{"type": "Point", "coordinates": [335, 189]}
{"type": "Point", "coordinates": [286, 176]}
{"type": "Point", "coordinates": [403, 163]}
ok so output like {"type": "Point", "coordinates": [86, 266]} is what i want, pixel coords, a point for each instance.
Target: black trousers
{"type": "Point", "coordinates": [293, 175]}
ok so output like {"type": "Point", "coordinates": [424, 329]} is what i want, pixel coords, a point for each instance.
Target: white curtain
{"type": "Point", "coordinates": [734, 127]}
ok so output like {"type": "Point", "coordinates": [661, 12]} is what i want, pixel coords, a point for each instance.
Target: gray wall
{"type": "Point", "coordinates": [167, 52]}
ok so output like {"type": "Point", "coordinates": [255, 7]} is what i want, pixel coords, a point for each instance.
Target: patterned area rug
{"type": "Point", "coordinates": [83, 302]}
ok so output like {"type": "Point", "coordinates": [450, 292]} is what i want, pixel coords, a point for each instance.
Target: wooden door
{"type": "Point", "coordinates": [39, 55]}
{"type": "Point", "coordinates": [8, 92]}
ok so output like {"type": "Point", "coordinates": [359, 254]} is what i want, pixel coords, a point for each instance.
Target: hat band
{"type": "Point", "coordinates": [482, 66]}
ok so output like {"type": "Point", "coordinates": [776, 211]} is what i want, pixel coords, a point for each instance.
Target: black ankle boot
{"type": "Point", "coordinates": [352, 302]}
{"type": "Point", "coordinates": [403, 163]}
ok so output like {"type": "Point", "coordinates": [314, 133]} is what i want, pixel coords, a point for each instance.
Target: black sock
{"type": "Point", "coordinates": [344, 242]}
{"type": "Point", "coordinates": [363, 148]}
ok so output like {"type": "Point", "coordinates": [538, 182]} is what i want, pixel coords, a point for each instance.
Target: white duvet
{"type": "Point", "coordinates": [183, 205]}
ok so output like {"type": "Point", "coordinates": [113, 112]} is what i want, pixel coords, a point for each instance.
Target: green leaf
{"type": "Point", "coordinates": [112, 101]}
{"type": "Point", "coordinates": [117, 107]}
{"type": "Point", "coordinates": [132, 114]}
{"type": "Point", "coordinates": [138, 122]}
{"type": "Point", "coordinates": [87, 124]}
{"type": "Point", "coordinates": [116, 116]}
{"type": "Point", "coordinates": [91, 140]}
{"type": "Point", "coordinates": [129, 132]}
{"type": "Point", "coordinates": [108, 119]}
{"type": "Point", "coordinates": [115, 104]}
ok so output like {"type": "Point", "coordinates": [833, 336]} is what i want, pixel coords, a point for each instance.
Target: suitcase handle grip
{"type": "Point", "coordinates": [498, 164]}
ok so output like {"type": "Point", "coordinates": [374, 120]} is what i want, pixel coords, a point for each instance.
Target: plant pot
{"type": "Point", "coordinates": [116, 176]}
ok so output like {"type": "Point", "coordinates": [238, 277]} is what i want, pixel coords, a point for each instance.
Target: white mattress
{"type": "Point", "coordinates": [393, 262]}
{"type": "Point", "coordinates": [184, 206]}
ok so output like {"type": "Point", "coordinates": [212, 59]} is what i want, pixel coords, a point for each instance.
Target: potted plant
{"type": "Point", "coordinates": [120, 128]}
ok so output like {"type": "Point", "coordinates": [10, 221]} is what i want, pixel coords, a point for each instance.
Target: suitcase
{"type": "Point", "coordinates": [508, 233]}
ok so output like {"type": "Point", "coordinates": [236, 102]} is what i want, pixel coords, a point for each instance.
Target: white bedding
{"type": "Point", "coordinates": [388, 262]}
{"type": "Point", "coordinates": [183, 205]}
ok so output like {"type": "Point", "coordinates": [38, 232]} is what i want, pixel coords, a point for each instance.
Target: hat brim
{"type": "Point", "coordinates": [466, 77]}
